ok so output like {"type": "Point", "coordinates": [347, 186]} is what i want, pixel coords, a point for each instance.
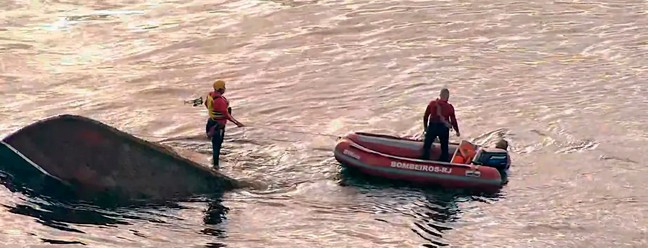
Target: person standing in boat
{"type": "Point", "coordinates": [219, 113]}
{"type": "Point", "coordinates": [437, 120]}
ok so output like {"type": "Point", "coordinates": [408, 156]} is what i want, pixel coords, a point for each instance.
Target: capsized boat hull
{"type": "Point", "coordinates": [97, 158]}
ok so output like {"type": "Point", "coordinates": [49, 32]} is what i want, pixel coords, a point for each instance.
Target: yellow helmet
{"type": "Point", "coordinates": [219, 84]}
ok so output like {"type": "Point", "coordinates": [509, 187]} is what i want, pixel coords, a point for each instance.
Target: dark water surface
{"type": "Point", "coordinates": [563, 81]}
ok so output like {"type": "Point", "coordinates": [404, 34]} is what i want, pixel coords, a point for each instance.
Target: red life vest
{"type": "Point", "coordinates": [215, 114]}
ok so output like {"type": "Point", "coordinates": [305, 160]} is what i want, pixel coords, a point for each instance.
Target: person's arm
{"type": "Point", "coordinates": [426, 117]}
{"type": "Point", "coordinates": [453, 120]}
{"type": "Point", "coordinates": [231, 118]}
{"type": "Point", "coordinates": [221, 107]}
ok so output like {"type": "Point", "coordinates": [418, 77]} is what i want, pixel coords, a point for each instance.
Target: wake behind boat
{"type": "Point", "coordinates": [398, 158]}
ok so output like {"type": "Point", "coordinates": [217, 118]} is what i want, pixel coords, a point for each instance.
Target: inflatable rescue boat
{"type": "Point", "coordinates": [471, 166]}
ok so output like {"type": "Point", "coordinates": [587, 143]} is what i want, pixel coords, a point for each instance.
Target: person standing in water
{"type": "Point", "coordinates": [219, 113]}
{"type": "Point", "coordinates": [436, 123]}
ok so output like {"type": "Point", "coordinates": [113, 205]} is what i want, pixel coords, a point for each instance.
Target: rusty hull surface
{"type": "Point", "coordinates": [98, 158]}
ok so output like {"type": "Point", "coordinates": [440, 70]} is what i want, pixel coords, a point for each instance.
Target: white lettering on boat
{"type": "Point", "coordinates": [351, 154]}
{"type": "Point", "coordinates": [421, 167]}
{"type": "Point", "coordinates": [473, 173]}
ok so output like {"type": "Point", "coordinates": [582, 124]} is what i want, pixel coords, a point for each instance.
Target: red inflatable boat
{"type": "Point", "coordinates": [398, 158]}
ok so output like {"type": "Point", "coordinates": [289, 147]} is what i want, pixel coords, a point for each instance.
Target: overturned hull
{"type": "Point", "coordinates": [19, 173]}
{"type": "Point", "coordinates": [93, 157]}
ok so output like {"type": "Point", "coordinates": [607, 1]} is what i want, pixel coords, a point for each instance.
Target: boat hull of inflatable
{"type": "Point", "coordinates": [397, 158]}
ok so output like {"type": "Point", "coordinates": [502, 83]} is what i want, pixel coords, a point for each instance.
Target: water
{"type": "Point", "coordinates": [564, 81]}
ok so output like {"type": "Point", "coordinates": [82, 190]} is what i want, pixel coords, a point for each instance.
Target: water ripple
{"type": "Point", "coordinates": [561, 80]}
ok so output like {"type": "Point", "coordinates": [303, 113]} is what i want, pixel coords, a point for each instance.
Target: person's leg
{"type": "Point", "coordinates": [208, 127]}
{"type": "Point", "coordinates": [444, 139]}
{"type": "Point", "coordinates": [222, 137]}
{"type": "Point", "coordinates": [210, 123]}
{"type": "Point", "coordinates": [430, 136]}
{"type": "Point", "coordinates": [217, 143]}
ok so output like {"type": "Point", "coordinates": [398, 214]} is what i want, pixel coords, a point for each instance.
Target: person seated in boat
{"type": "Point", "coordinates": [502, 144]}
{"type": "Point", "coordinates": [439, 117]}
